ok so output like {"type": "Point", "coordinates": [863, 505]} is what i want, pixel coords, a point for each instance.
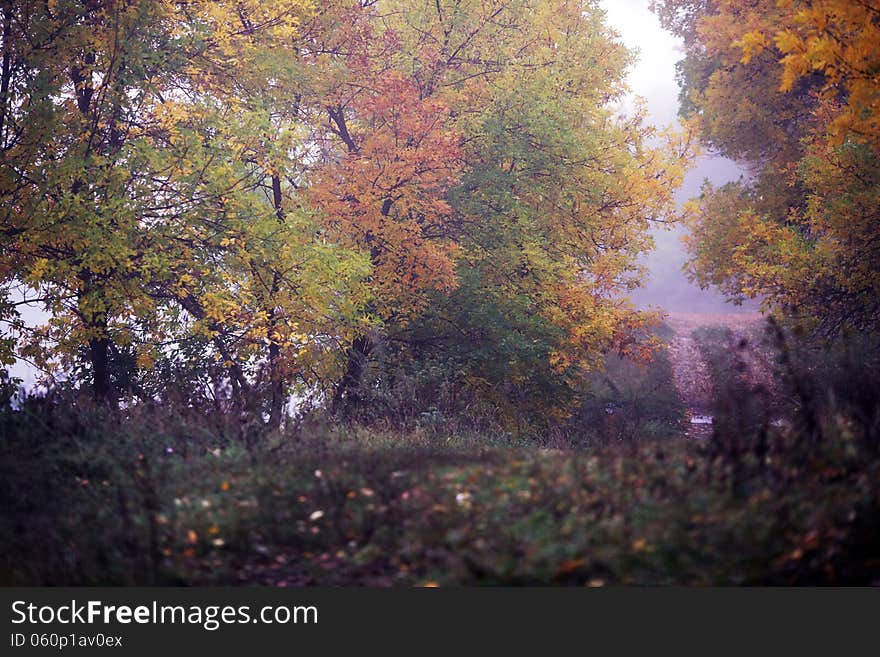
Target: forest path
{"type": "Point", "coordinates": [690, 370]}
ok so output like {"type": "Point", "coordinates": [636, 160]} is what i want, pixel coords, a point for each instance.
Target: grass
{"type": "Point", "coordinates": [156, 500]}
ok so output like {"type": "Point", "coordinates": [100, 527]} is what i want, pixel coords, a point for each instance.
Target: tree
{"type": "Point", "coordinates": [149, 169]}
{"type": "Point", "coordinates": [259, 277]}
{"type": "Point", "coordinates": [788, 89]}
{"type": "Point", "coordinates": [75, 75]}
{"type": "Point", "coordinates": [553, 201]}
{"type": "Point", "coordinates": [270, 191]}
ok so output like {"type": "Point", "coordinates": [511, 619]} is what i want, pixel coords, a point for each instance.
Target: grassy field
{"type": "Point", "coordinates": [110, 504]}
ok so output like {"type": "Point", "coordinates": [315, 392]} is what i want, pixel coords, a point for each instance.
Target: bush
{"type": "Point", "coordinates": [178, 495]}
{"type": "Point", "coordinates": [98, 499]}
{"type": "Point", "coordinates": [632, 401]}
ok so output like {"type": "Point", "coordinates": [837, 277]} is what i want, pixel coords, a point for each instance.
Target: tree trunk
{"type": "Point", "coordinates": [276, 380]}
{"type": "Point", "coordinates": [99, 343]}
{"type": "Point", "coordinates": [348, 389]}
{"type": "Point", "coordinates": [5, 70]}
{"type": "Point", "coordinates": [99, 346]}
{"type": "Point", "coordinates": [276, 408]}
{"type": "Point", "coordinates": [99, 355]}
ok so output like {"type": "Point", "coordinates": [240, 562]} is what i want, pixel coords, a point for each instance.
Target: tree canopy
{"type": "Point", "coordinates": [262, 195]}
{"type": "Point", "coordinates": [789, 89]}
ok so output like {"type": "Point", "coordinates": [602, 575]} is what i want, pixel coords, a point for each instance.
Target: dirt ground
{"type": "Point", "coordinates": [690, 370]}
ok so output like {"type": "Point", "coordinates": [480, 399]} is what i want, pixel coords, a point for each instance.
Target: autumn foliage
{"type": "Point", "coordinates": [259, 197]}
{"type": "Point", "coordinates": [386, 195]}
{"type": "Point", "coordinates": [789, 89]}
{"type": "Point", "coordinates": [336, 292]}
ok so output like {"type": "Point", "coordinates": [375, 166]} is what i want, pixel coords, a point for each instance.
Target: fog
{"type": "Point", "coordinates": [667, 286]}
{"type": "Point", "coordinates": [653, 79]}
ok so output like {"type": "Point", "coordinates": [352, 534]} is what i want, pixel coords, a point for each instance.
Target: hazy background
{"type": "Point", "coordinates": [653, 78]}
